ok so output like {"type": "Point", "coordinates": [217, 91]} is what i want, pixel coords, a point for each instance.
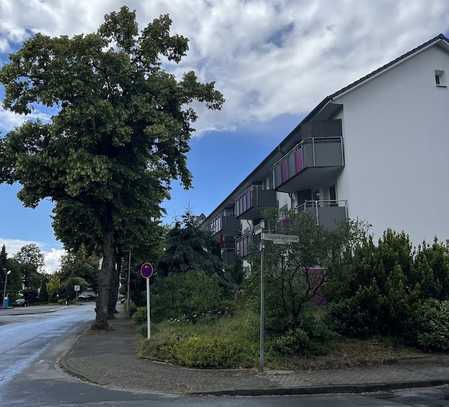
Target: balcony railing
{"type": "Point", "coordinates": [328, 214]}
{"type": "Point", "coordinates": [243, 245]}
{"type": "Point", "coordinates": [314, 152]}
{"type": "Point", "coordinates": [250, 203]}
{"type": "Point", "coordinates": [227, 224]}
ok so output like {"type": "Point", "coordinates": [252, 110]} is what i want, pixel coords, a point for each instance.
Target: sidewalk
{"type": "Point", "coordinates": [109, 358]}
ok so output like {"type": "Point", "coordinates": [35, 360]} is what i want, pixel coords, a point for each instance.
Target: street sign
{"type": "Point", "coordinates": [76, 288]}
{"type": "Point", "coordinates": [146, 270]}
{"type": "Point", "coordinates": [278, 238]}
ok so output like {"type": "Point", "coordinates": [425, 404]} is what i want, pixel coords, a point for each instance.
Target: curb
{"type": "Point", "coordinates": [64, 366]}
{"type": "Point", "coordinates": [331, 389]}
{"type": "Point", "coordinates": [36, 312]}
{"type": "Point", "coordinates": [30, 313]}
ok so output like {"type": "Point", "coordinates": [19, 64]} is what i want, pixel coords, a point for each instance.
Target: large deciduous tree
{"type": "Point", "coordinates": [31, 262]}
{"type": "Point", "coordinates": [122, 127]}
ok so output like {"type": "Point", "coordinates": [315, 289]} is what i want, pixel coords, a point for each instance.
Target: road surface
{"type": "Point", "coordinates": [31, 344]}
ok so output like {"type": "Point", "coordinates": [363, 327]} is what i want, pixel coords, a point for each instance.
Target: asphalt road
{"type": "Point", "coordinates": [30, 346]}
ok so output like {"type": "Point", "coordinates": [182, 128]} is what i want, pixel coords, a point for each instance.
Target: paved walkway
{"type": "Point", "coordinates": [109, 358]}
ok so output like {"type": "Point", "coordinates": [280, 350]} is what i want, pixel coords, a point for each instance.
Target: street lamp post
{"type": "Point", "coordinates": [4, 287]}
{"type": "Point", "coordinates": [128, 283]}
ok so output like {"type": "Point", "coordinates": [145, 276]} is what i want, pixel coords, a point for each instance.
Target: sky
{"type": "Point", "coordinates": [272, 60]}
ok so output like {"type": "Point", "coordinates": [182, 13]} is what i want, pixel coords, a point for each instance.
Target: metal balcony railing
{"type": "Point", "coordinates": [252, 200]}
{"type": "Point", "coordinates": [327, 213]}
{"type": "Point", "coordinates": [314, 152]}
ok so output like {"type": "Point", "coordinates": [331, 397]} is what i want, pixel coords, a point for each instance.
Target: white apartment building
{"type": "Point", "coordinates": [376, 150]}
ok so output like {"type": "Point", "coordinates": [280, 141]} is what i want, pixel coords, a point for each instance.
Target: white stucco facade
{"type": "Point", "coordinates": [394, 172]}
{"type": "Point", "coordinates": [396, 137]}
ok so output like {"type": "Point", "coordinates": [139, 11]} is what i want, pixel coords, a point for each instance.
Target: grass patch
{"type": "Point", "coordinates": [232, 342]}
{"type": "Point", "coordinates": [228, 342]}
{"type": "Point", "coordinates": [348, 353]}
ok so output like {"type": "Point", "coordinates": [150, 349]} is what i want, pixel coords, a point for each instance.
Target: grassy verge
{"type": "Point", "coordinates": [348, 353]}
{"type": "Point", "coordinates": [232, 342]}
{"type": "Point", "coordinates": [224, 343]}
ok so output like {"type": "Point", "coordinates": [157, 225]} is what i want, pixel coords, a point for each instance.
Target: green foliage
{"type": "Point", "coordinates": [313, 337]}
{"type": "Point", "coordinates": [132, 308]}
{"type": "Point", "coordinates": [211, 352]}
{"type": "Point", "coordinates": [228, 342]}
{"type": "Point", "coordinates": [43, 293]}
{"type": "Point", "coordinates": [432, 321]}
{"type": "Point", "coordinates": [187, 296]}
{"type": "Point", "coordinates": [68, 286]}
{"type": "Point", "coordinates": [191, 248]}
{"type": "Point", "coordinates": [291, 277]}
{"type": "Point", "coordinates": [431, 270]}
{"type": "Point", "coordinates": [358, 315]}
{"type": "Point", "coordinates": [79, 264]}
{"type": "Point", "coordinates": [54, 286]}
{"type": "Point", "coordinates": [119, 135]}
{"type": "Point", "coordinates": [30, 260]}
{"type": "Point", "coordinates": [139, 316]}
{"type": "Point", "coordinates": [377, 289]}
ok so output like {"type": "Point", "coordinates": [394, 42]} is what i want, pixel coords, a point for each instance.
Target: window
{"type": "Point", "coordinates": [440, 78]}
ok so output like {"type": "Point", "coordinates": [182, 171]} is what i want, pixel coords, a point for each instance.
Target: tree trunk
{"type": "Point", "coordinates": [113, 296]}
{"type": "Point", "coordinates": [105, 281]}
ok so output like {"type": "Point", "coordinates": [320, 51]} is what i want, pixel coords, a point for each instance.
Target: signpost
{"type": "Point", "coordinates": [276, 238]}
{"type": "Point", "coordinates": [77, 289]}
{"type": "Point", "coordinates": [146, 271]}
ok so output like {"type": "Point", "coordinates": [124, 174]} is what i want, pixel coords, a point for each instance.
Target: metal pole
{"type": "Point", "coordinates": [148, 310]}
{"type": "Point", "coordinates": [129, 281]}
{"type": "Point", "coordinates": [4, 287]}
{"type": "Point", "coordinates": [262, 312]}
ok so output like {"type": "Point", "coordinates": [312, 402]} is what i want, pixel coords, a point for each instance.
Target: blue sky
{"type": "Point", "coordinates": [274, 60]}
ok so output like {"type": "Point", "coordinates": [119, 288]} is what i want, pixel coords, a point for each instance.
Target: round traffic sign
{"type": "Point", "coordinates": [146, 270]}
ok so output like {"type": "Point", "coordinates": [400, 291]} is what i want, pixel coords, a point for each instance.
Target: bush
{"type": "Point", "coordinates": [375, 290]}
{"type": "Point", "coordinates": [139, 316]}
{"type": "Point", "coordinates": [291, 278]}
{"type": "Point", "coordinates": [359, 315]}
{"type": "Point", "coordinates": [312, 338]}
{"type": "Point", "coordinates": [132, 308]}
{"type": "Point", "coordinates": [187, 296]}
{"type": "Point", "coordinates": [432, 321]}
{"type": "Point", "coordinates": [213, 352]}
{"type": "Point", "coordinates": [223, 343]}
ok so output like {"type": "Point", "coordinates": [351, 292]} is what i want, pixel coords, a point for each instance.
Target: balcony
{"type": "Point", "coordinates": [250, 204]}
{"type": "Point", "coordinates": [243, 245]}
{"type": "Point", "coordinates": [227, 225]}
{"type": "Point", "coordinates": [314, 161]}
{"type": "Point", "coordinates": [327, 214]}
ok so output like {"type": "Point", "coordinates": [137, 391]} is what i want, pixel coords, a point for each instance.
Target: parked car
{"type": "Point", "coordinates": [87, 295]}
{"type": "Point", "coordinates": [20, 302]}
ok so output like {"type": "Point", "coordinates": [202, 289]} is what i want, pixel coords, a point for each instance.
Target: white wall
{"type": "Point", "coordinates": [396, 132]}
{"type": "Point", "coordinates": [283, 199]}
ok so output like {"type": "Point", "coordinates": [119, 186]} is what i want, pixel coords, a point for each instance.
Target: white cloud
{"type": "Point", "coordinates": [53, 259]}
{"type": "Point", "coordinates": [10, 120]}
{"type": "Point", "coordinates": [269, 57]}
{"type": "Point", "coordinates": [52, 256]}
